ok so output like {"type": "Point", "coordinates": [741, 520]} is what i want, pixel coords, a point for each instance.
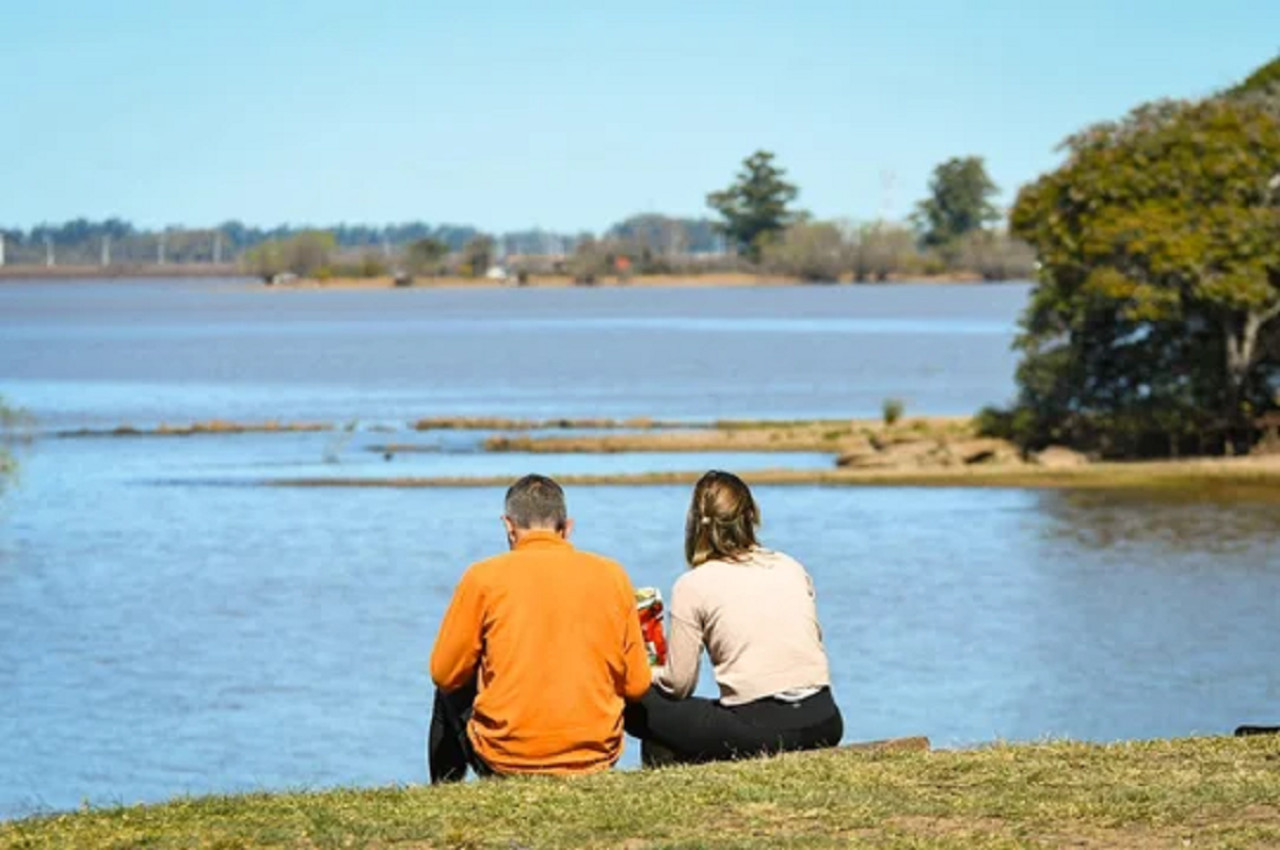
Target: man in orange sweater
{"type": "Point", "coordinates": [537, 653]}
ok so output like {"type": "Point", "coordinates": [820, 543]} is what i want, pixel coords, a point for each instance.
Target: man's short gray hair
{"type": "Point", "coordinates": [536, 501]}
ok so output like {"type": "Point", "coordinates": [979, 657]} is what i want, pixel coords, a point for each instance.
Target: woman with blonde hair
{"type": "Point", "coordinates": [753, 610]}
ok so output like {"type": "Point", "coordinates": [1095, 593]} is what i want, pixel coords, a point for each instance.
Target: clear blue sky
{"type": "Point", "coordinates": [564, 113]}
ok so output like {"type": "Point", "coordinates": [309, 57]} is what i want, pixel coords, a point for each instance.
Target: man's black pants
{"type": "Point", "coordinates": [449, 750]}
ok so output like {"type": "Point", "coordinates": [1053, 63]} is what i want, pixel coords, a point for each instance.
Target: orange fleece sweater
{"type": "Point", "coordinates": [552, 636]}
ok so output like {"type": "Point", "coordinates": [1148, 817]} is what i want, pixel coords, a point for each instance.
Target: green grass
{"type": "Point", "coordinates": [1209, 792]}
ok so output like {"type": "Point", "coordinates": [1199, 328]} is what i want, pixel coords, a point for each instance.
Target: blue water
{"type": "Point", "coordinates": [94, 354]}
{"type": "Point", "coordinates": [168, 625]}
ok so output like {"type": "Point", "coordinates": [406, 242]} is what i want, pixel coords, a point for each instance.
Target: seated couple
{"type": "Point", "coordinates": [540, 659]}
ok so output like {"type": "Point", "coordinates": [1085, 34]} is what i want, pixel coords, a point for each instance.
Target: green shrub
{"type": "Point", "coordinates": [15, 429]}
{"type": "Point", "coordinates": [994, 256]}
{"type": "Point", "coordinates": [933, 264]}
{"type": "Point", "coordinates": [303, 254]}
{"type": "Point", "coordinates": [371, 265]}
{"type": "Point", "coordinates": [881, 249]}
{"type": "Point", "coordinates": [891, 409]}
{"type": "Point", "coordinates": [426, 257]}
{"type": "Point", "coordinates": [994, 422]}
{"type": "Point", "coordinates": [592, 260]}
{"type": "Point", "coordinates": [813, 251]}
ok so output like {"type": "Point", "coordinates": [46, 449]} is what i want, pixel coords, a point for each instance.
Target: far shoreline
{"type": "Point", "coordinates": [708, 280]}
{"type": "Point", "coordinates": [122, 272]}
{"type": "Point", "coordinates": [28, 274]}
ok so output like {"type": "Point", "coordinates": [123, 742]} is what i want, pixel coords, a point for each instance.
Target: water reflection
{"type": "Point", "coordinates": [1156, 608]}
{"type": "Point", "coordinates": [1164, 520]}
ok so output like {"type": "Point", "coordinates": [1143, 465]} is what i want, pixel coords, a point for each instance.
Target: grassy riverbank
{"type": "Point", "coordinates": [1209, 792]}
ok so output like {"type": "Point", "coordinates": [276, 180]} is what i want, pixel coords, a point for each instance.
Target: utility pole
{"type": "Point", "coordinates": [1, 247]}
{"type": "Point", "coordinates": [888, 179]}
{"type": "Point", "coordinates": [160, 248]}
{"type": "Point", "coordinates": [48, 251]}
{"type": "Point", "coordinates": [106, 251]}
{"type": "Point", "coordinates": [217, 247]}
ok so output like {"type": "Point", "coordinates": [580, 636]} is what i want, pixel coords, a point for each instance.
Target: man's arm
{"type": "Point", "coordinates": [457, 651]}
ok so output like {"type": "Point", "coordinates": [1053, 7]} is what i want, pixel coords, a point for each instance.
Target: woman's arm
{"type": "Point", "coordinates": [684, 646]}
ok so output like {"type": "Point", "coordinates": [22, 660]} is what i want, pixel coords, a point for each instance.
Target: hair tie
{"type": "Point", "coordinates": [706, 520]}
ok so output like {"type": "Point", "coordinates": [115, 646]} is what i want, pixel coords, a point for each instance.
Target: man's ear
{"type": "Point", "coordinates": [509, 527]}
{"type": "Point", "coordinates": [566, 528]}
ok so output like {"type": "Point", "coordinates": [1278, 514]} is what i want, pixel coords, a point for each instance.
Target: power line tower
{"type": "Point", "coordinates": [48, 251]}
{"type": "Point", "coordinates": [217, 247]}
{"type": "Point", "coordinates": [1, 247]}
{"type": "Point", "coordinates": [106, 251]}
{"type": "Point", "coordinates": [160, 246]}
{"type": "Point", "coordinates": [888, 182]}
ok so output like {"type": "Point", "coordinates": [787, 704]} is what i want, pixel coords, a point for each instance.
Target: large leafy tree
{"type": "Point", "coordinates": [959, 201]}
{"type": "Point", "coordinates": [1264, 81]}
{"type": "Point", "coordinates": [1156, 321]}
{"type": "Point", "coordinates": [754, 207]}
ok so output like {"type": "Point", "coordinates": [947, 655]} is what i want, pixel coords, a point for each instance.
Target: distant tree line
{"type": "Point", "coordinates": [952, 231]}
{"type": "Point", "coordinates": [114, 241]}
{"type": "Point", "coordinates": [758, 230]}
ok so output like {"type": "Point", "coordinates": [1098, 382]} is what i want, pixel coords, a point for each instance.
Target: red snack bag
{"type": "Point", "coordinates": [649, 606]}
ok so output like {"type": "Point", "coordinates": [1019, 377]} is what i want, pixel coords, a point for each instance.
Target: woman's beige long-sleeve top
{"type": "Point", "coordinates": [759, 623]}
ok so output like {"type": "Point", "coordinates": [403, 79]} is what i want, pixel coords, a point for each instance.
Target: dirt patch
{"type": "Point", "coordinates": [984, 829]}
{"type": "Point", "coordinates": [1202, 831]}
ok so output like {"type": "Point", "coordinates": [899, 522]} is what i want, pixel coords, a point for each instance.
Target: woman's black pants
{"type": "Point", "coordinates": [699, 730]}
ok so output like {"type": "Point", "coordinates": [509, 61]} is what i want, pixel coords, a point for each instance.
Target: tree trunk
{"type": "Point", "coordinates": [1241, 339]}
